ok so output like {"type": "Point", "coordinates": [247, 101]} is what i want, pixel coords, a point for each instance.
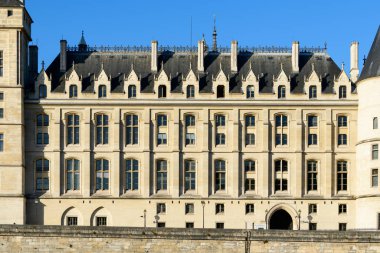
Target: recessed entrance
{"type": "Point", "coordinates": [281, 220]}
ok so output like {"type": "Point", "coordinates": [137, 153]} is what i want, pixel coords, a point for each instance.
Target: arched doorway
{"type": "Point", "coordinates": [281, 219]}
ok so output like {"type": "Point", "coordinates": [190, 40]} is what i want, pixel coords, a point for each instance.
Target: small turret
{"type": "Point", "coordinates": [82, 46]}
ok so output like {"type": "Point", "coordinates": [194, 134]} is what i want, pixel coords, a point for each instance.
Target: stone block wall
{"type": "Point", "coordinates": [151, 240]}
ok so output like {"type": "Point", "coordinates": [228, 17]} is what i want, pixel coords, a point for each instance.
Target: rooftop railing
{"type": "Point", "coordinates": [193, 49]}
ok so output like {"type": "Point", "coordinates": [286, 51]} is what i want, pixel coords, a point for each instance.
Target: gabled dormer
{"type": "Point", "coordinates": [342, 85]}
{"type": "Point", "coordinates": [190, 84]}
{"type": "Point", "coordinates": [281, 84]}
{"type": "Point", "coordinates": [42, 86]}
{"type": "Point", "coordinates": [220, 84]}
{"type": "Point", "coordinates": [102, 84]}
{"type": "Point", "coordinates": [162, 83]}
{"type": "Point", "coordinates": [250, 84]}
{"type": "Point", "coordinates": [132, 84]}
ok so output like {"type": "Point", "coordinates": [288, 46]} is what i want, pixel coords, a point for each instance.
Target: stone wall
{"type": "Point", "coordinates": [116, 239]}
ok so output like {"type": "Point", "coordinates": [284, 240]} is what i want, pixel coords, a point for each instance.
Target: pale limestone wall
{"type": "Point", "coordinates": [126, 208]}
{"type": "Point", "coordinates": [86, 240]}
{"type": "Point", "coordinates": [14, 39]}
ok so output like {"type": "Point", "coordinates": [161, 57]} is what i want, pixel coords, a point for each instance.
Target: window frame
{"type": "Point", "coordinates": [250, 92]}
{"type": "Point", "coordinates": [312, 175]}
{"type": "Point", "coordinates": [43, 174]}
{"type": "Point", "coordinates": [131, 172]}
{"type": "Point", "coordinates": [190, 91]}
{"type": "Point", "coordinates": [190, 175]}
{"type": "Point", "coordinates": [220, 173]}
{"type": "Point", "coordinates": [281, 92]}
{"type": "Point", "coordinates": [102, 91]}
{"type": "Point", "coordinates": [281, 176]}
{"type": "Point", "coordinates": [42, 91]}
{"type": "Point", "coordinates": [161, 175]}
{"type": "Point", "coordinates": [132, 91]}
{"type": "Point", "coordinates": [342, 92]}
{"type": "Point", "coordinates": [342, 176]}
{"type": "Point", "coordinates": [102, 175]}
{"type": "Point", "coordinates": [101, 129]}
{"type": "Point", "coordinates": [375, 151]}
{"type": "Point", "coordinates": [75, 171]}
{"type": "Point", "coordinates": [375, 123]}
{"type": "Point", "coordinates": [375, 177]}
{"type": "Point", "coordinates": [162, 91]}
{"type": "Point", "coordinates": [1, 63]}
{"type": "Point", "coordinates": [313, 92]}
{"type": "Point", "coordinates": [131, 129]}
{"type": "Point", "coordinates": [73, 91]}
{"type": "Point", "coordinates": [42, 129]}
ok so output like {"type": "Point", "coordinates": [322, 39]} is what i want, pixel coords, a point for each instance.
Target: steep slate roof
{"type": "Point", "coordinates": [177, 66]}
{"type": "Point", "coordinates": [11, 3]}
{"type": "Point", "coordinates": [372, 64]}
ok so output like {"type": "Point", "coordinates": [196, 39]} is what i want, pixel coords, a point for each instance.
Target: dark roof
{"type": "Point", "coordinates": [11, 3]}
{"type": "Point", "coordinates": [177, 65]}
{"type": "Point", "coordinates": [372, 64]}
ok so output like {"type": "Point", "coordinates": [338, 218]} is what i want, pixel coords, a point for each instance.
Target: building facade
{"type": "Point", "coordinates": [258, 138]}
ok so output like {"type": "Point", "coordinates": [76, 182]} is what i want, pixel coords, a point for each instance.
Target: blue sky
{"type": "Point", "coordinates": [252, 23]}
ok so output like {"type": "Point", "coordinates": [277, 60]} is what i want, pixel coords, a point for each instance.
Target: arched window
{"type": "Point", "coordinates": [162, 175]}
{"type": "Point", "coordinates": [102, 174]}
{"type": "Point", "coordinates": [73, 91]}
{"type": "Point", "coordinates": [72, 175]}
{"type": "Point", "coordinates": [375, 123]}
{"type": "Point", "coordinates": [102, 91]}
{"type": "Point", "coordinates": [342, 92]}
{"type": "Point", "coordinates": [190, 91]}
{"type": "Point", "coordinates": [132, 129]}
{"type": "Point", "coordinates": [42, 91]}
{"type": "Point", "coordinates": [220, 175]}
{"type": "Point", "coordinates": [220, 91]}
{"type": "Point", "coordinates": [101, 129]}
{"type": "Point", "coordinates": [132, 91]}
{"type": "Point", "coordinates": [281, 91]}
{"type": "Point", "coordinates": [162, 91]}
{"type": "Point", "coordinates": [312, 91]}
{"type": "Point", "coordinates": [312, 175]}
{"type": "Point", "coordinates": [131, 175]}
{"type": "Point", "coordinates": [42, 174]}
{"type": "Point", "coordinates": [190, 175]}
{"type": "Point", "coordinates": [72, 129]}
{"type": "Point", "coordinates": [42, 129]}
{"type": "Point", "coordinates": [281, 175]}
{"type": "Point", "coordinates": [342, 176]}
{"type": "Point", "coordinates": [250, 91]}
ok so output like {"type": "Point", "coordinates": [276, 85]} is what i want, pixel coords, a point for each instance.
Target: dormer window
{"type": "Point", "coordinates": [162, 91]}
{"type": "Point", "coordinates": [132, 91]}
{"type": "Point", "coordinates": [73, 91]}
{"type": "Point", "coordinates": [281, 91]}
{"type": "Point", "coordinates": [102, 91]}
{"type": "Point", "coordinates": [42, 91]}
{"type": "Point", "coordinates": [342, 92]}
{"type": "Point", "coordinates": [220, 91]}
{"type": "Point", "coordinates": [250, 91]}
{"type": "Point", "coordinates": [190, 91]}
{"type": "Point", "coordinates": [313, 92]}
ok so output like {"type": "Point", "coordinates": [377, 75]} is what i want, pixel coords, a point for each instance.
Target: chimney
{"type": "Point", "coordinates": [33, 61]}
{"type": "Point", "coordinates": [201, 55]}
{"type": "Point", "coordinates": [354, 68]}
{"type": "Point", "coordinates": [154, 56]}
{"type": "Point", "coordinates": [295, 56]}
{"type": "Point", "coordinates": [63, 56]}
{"type": "Point", "coordinates": [234, 53]}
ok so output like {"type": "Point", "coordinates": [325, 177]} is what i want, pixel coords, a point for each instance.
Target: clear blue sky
{"type": "Point", "coordinates": [251, 22]}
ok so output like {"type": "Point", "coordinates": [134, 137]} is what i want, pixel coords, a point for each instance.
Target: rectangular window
{"type": "Point", "coordinates": [342, 139]}
{"type": "Point", "coordinates": [342, 226]}
{"type": "Point", "coordinates": [313, 208]}
{"type": "Point", "coordinates": [375, 152]}
{"type": "Point", "coordinates": [72, 221]}
{"type": "Point", "coordinates": [220, 225]}
{"type": "Point", "coordinates": [312, 121]}
{"type": "Point", "coordinates": [312, 226]}
{"type": "Point", "coordinates": [189, 224]}
{"type": "Point", "coordinates": [220, 175]}
{"type": "Point", "coordinates": [220, 139]}
{"type": "Point", "coordinates": [132, 129]}
{"type": "Point", "coordinates": [1, 96]}
{"type": "Point", "coordinates": [1, 142]}
{"type": "Point", "coordinates": [161, 139]}
{"type": "Point", "coordinates": [342, 176]}
{"type": "Point", "coordinates": [312, 139]}
{"type": "Point", "coordinates": [378, 221]}
{"type": "Point", "coordinates": [219, 208]}
{"type": "Point", "coordinates": [1, 113]}
{"type": "Point", "coordinates": [312, 176]}
{"type": "Point", "coordinates": [160, 224]}
{"type": "Point", "coordinates": [249, 184]}
{"type": "Point", "coordinates": [101, 221]}
{"type": "Point", "coordinates": [249, 208]}
{"type": "Point", "coordinates": [190, 175]}
{"type": "Point", "coordinates": [162, 180]}
{"type": "Point", "coordinates": [220, 120]}
{"type": "Point", "coordinates": [10, 13]}
{"type": "Point", "coordinates": [161, 208]}
{"type": "Point", "coordinates": [375, 178]}
{"type": "Point", "coordinates": [72, 175]}
{"type": "Point", "coordinates": [1, 63]}
{"type": "Point", "coordinates": [250, 139]}
{"type": "Point", "coordinates": [190, 139]}
{"type": "Point", "coordinates": [131, 175]}
{"type": "Point", "coordinates": [162, 120]}
{"type": "Point", "coordinates": [189, 208]}
{"type": "Point", "coordinates": [342, 208]}
{"type": "Point", "coordinates": [342, 121]}
{"type": "Point", "coordinates": [73, 129]}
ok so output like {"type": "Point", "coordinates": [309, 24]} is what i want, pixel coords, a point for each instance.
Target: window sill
{"type": "Point", "coordinates": [101, 194]}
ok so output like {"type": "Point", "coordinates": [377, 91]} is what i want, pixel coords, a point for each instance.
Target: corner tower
{"type": "Point", "coordinates": [15, 34]}
{"type": "Point", "coordinates": [367, 157]}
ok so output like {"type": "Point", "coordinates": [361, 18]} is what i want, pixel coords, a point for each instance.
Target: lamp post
{"type": "Point", "coordinates": [203, 213]}
{"type": "Point", "coordinates": [299, 219]}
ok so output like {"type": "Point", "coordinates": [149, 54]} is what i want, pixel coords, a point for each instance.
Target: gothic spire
{"type": "Point", "coordinates": [82, 43]}
{"type": "Point", "coordinates": [214, 34]}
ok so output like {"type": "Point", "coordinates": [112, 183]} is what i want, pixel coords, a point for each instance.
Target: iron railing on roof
{"type": "Point", "coordinates": [192, 49]}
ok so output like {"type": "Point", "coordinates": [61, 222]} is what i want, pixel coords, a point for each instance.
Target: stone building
{"type": "Point", "coordinates": [263, 138]}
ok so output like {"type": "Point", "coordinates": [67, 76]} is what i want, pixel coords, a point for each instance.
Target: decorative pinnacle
{"type": "Point", "coordinates": [43, 64]}
{"type": "Point", "coordinates": [214, 35]}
